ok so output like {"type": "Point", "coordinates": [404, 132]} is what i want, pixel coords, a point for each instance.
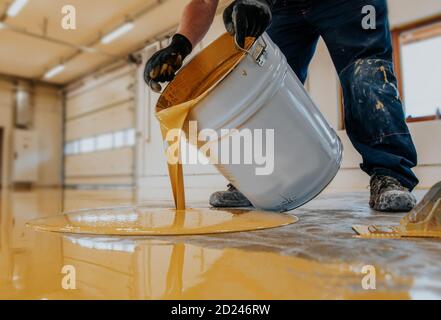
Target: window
{"type": "Point", "coordinates": [130, 137]}
{"type": "Point", "coordinates": [417, 52]}
{"type": "Point", "coordinates": [119, 139]}
{"type": "Point", "coordinates": [106, 141]}
{"type": "Point", "coordinates": [68, 148]}
{"type": "Point", "coordinates": [87, 145]}
{"type": "Point", "coordinates": [75, 147]}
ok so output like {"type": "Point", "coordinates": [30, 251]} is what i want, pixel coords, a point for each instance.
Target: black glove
{"type": "Point", "coordinates": [248, 18]}
{"type": "Point", "coordinates": [163, 65]}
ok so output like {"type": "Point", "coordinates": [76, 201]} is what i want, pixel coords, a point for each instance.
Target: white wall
{"type": "Point", "coordinates": [323, 85]}
{"type": "Point", "coordinates": [402, 12]}
{"type": "Point", "coordinates": [47, 125]}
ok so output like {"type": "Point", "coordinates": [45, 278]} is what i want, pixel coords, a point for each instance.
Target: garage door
{"type": "Point", "coordinates": [100, 131]}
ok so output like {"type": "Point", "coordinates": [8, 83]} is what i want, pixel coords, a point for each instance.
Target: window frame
{"type": "Point", "coordinates": [396, 44]}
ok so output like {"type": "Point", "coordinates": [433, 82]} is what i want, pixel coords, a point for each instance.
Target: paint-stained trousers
{"type": "Point", "coordinates": [374, 115]}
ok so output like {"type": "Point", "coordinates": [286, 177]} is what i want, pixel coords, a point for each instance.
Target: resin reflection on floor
{"type": "Point", "coordinates": [318, 257]}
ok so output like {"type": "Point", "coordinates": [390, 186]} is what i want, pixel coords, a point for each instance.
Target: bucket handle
{"type": "Point", "coordinates": [259, 54]}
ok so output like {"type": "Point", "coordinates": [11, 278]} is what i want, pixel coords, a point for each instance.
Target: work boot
{"type": "Point", "coordinates": [388, 195]}
{"type": "Point", "coordinates": [231, 198]}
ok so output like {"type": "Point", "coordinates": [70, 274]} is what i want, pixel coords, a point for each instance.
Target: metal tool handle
{"type": "Point", "coordinates": [259, 53]}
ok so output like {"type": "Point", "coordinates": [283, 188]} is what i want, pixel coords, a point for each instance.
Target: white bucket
{"type": "Point", "coordinates": [263, 92]}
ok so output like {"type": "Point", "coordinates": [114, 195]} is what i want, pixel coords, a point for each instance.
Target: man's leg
{"type": "Point", "coordinates": [297, 40]}
{"type": "Point", "coordinates": [374, 114]}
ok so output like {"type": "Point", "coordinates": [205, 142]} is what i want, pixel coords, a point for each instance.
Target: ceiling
{"type": "Point", "coordinates": [34, 41]}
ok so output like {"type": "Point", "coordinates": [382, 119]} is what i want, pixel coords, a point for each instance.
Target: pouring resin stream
{"type": "Point", "coordinates": [200, 76]}
{"type": "Point", "coordinates": [184, 93]}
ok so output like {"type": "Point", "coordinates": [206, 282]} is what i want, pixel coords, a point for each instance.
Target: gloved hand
{"type": "Point", "coordinates": [248, 18]}
{"type": "Point", "coordinates": [164, 64]}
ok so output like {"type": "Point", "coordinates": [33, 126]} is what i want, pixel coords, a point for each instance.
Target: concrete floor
{"type": "Point", "coordinates": [316, 258]}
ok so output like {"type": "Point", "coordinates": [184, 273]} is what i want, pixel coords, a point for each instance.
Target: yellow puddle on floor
{"type": "Point", "coordinates": [142, 221]}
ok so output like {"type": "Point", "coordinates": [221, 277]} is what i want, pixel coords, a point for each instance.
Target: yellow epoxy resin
{"type": "Point", "coordinates": [144, 221]}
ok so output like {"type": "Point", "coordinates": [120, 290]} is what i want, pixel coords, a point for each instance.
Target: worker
{"type": "Point", "coordinates": [374, 115]}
